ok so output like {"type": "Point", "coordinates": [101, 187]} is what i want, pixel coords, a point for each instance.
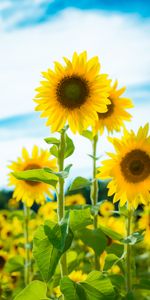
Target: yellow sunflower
{"type": "Point", "coordinates": [144, 223]}
{"type": "Point", "coordinates": [76, 199]}
{"type": "Point", "coordinates": [29, 191]}
{"type": "Point", "coordinates": [73, 92]}
{"type": "Point", "coordinates": [106, 208]}
{"type": "Point", "coordinates": [129, 168]}
{"type": "Point", "coordinates": [116, 114]}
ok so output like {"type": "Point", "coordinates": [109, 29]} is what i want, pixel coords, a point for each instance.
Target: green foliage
{"type": "Point", "coordinates": [39, 175]}
{"type": "Point", "coordinates": [14, 264]}
{"type": "Point", "coordinates": [94, 239]}
{"type": "Point", "coordinates": [50, 242]}
{"type": "Point", "coordinates": [95, 287]}
{"type": "Point", "coordinates": [59, 235]}
{"type": "Point", "coordinates": [134, 238]}
{"type": "Point", "coordinates": [45, 254]}
{"type": "Point", "coordinates": [52, 140]}
{"type": "Point", "coordinates": [36, 290]}
{"type": "Point", "coordinates": [79, 183]}
{"type": "Point", "coordinates": [69, 146]}
{"type": "Point", "coordinates": [87, 134]}
{"type": "Point", "coordinates": [80, 218]}
{"type": "Point", "coordinates": [111, 234]}
{"type": "Point", "coordinates": [62, 174]}
{"type": "Point", "coordinates": [109, 261]}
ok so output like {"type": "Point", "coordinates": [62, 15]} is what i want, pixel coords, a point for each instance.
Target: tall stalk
{"type": "Point", "coordinates": [94, 190]}
{"type": "Point", "coordinates": [128, 256]}
{"type": "Point", "coordinates": [27, 268]}
{"type": "Point", "coordinates": [60, 194]}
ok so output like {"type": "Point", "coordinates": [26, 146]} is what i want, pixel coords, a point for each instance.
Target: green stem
{"type": "Point", "coordinates": [94, 191]}
{"type": "Point", "coordinates": [128, 256]}
{"type": "Point", "coordinates": [60, 195]}
{"type": "Point", "coordinates": [27, 245]}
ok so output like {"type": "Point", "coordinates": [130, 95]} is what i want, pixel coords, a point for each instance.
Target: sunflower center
{"type": "Point", "coordinates": [72, 92]}
{"type": "Point", "coordinates": [135, 166]}
{"type": "Point", "coordinates": [32, 167]}
{"type": "Point", "coordinates": [2, 262]}
{"type": "Point", "coordinates": [108, 113]}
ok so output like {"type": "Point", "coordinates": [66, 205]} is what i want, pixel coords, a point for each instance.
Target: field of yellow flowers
{"type": "Point", "coordinates": [93, 241]}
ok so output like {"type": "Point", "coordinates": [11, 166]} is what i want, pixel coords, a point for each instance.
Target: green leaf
{"type": "Point", "coordinates": [36, 290]}
{"type": "Point", "coordinates": [62, 174]}
{"type": "Point", "coordinates": [68, 288]}
{"type": "Point", "coordinates": [87, 134]}
{"type": "Point", "coordinates": [110, 233]}
{"type": "Point", "coordinates": [80, 218]}
{"type": "Point", "coordinates": [38, 175]}
{"type": "Point", "coordinates": [98, 287]}
{"type": "Point", "coordinates": [95, 287]}
{"type": "Point", "coordinates": [134, 238]}
{"type": "Point", "coordinates": [69, 146]}
{"type": "Point", "coordinates": [94, 157]}
{"type": "Point", "coordinates": [115, 248]}
{"type": "Point", "coordinates": [109, 261]}
{"type": "Point", "coordinates": [45, 254]}
{"type": "Point", "coordinates": [94, 239]}
{"type": "Point", "coordinates": [59, 235]}
{"type": "Point", "coordinates": [14, 264]}
{"type": "Point", "coordinates": [52, 140]}
{"type": "Point", "coordinates": [79, 183]}
{"type": "Point", "coordinates": [54, 150]}
{"type": "Point", "coordinates": [130, 296]}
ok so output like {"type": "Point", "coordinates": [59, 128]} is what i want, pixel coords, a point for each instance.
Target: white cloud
{"type": "Point", "coordinates": [121, 41]}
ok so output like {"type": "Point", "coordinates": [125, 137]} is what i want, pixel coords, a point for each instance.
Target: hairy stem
{"type": "Point", "coordinates": [128, 256]}
{"type": "Point", "coordinates": [60, 195]}
{"type": "Point", "coordinates": [94, 191]}
{"type": "Point", "coordinates": [27, 268]}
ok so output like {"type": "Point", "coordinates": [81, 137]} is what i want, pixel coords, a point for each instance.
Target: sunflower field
{"type": "Point", "coordinates": [90, 241]}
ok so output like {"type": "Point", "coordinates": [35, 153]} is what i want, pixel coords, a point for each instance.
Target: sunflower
{"type": "Point", "coordinates": [129, 168]}
{"type": "Point", "coordinates": [116, 114]}
{"type": "Point", "coordinates": [75, 199]}
{"type": "Point", "coordinates": [144, 224]}
{"type": "Point", "coordinates": [28, 191]}
{"type": "Point", "coordinates": [106, 208]}
{"type": "Point", "coordinates": [73, 92]}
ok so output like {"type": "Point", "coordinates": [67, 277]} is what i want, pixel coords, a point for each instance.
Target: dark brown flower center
{"type": "Point", "coordinates": [109, 112]}
{"type": "Point", "coordinates": [72, 92]}
{"type": "Point", "coordinates": [135, 166]}
{"type": "Point", "coordinates": [32, 167]}
{"type": "Point", "coordinates": [2, 262]}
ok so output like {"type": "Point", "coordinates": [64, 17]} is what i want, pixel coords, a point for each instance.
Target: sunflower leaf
{"type": "Point", "coordinates": [62, 174]}
{"type": "Point", "coordinates": [69, 147]}
{"type": "Point", "coordinates": [87, 134]}
{"type": "Point", "coordinates": [36, 290]}
{"type": "Point", "coordinates": [79, 183]}
{"type": "Point", "coordinates": [52, 140]}
{"type": "Point", "coordinates": [54, 150]}
{"type": "Point", "coordinates": [38, 175]}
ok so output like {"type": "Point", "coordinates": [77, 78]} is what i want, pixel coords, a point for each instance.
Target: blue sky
{"type": "Point", "coordinates": [35, 33]}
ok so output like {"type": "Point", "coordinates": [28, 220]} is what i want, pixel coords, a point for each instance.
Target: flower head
{"type": "Point", "coordinates": [114, 117]}
{"type": "Point", "coordinates": [73, 92]}
{"type": "Point", "coordinates": [30, 191]}
{"type": "Point", "coordinates": [129, 168]}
